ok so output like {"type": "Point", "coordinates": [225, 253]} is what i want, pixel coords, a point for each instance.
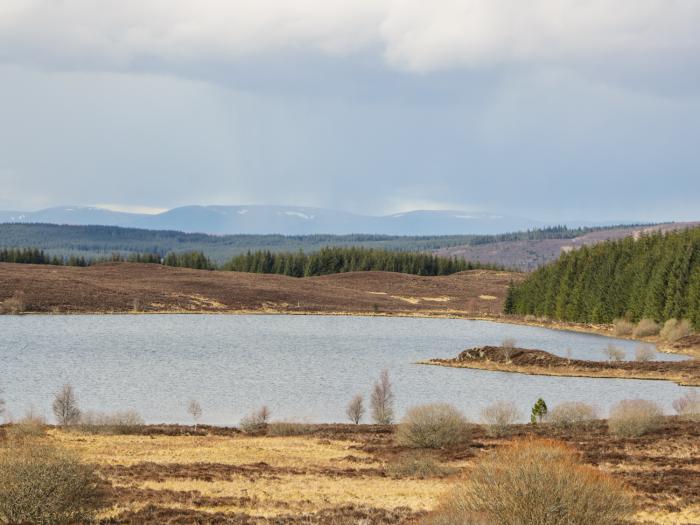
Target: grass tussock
{"type": "Point", "coordinates": [421, 466]}
{"type": "Point", "coordinates": [634, 417]}
{"type": "Point", "coordinates": [534, 482]}
{"type": "Point", "coordinates": [437, 425]}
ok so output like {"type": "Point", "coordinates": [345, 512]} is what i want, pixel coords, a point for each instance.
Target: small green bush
{"type": "Point", "coordinates": [433, 426]}
{"type": "Point", "coordinates": [539, 411]}
{"type": "Point", "coordinates": [44, 485]}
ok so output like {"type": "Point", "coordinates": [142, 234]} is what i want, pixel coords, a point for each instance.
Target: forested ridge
{"type": "Point", "coordinates": [656, 276]}
{"type": "Point", "coordinates": [91, 242]}
{"type": "Point", "coordinates": [299, 264]}
{"type": "Point", "coordinates": [338, 260]}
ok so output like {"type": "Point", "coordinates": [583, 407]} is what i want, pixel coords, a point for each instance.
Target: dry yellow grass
{"type": "Point", "coordinates": [306, 473]}
{"type": "Point", "coordinates": [266, 477]}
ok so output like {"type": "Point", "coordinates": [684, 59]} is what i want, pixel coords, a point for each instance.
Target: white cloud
{"type": "Point", "coordinates": [411, 35]}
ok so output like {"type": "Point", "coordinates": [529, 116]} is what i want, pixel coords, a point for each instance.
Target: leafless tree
{"type": "Point", "coordinates": [356, 409]}
{"type": "Point", "coordinates": [614, 353]}
{"type": "Point", "coordinates": [2, 405]}
{"type": "Point", "coordinates": [382, 400]}
{"type": "Point", "coordinates": [194, 409]}
{"type": "Point", "coordinates": [508, 345]}
{"type": "Point", "coordinates": [65, 407]}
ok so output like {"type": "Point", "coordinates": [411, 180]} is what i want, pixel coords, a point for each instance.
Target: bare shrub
{"type": "Point", "coordinates": [689, 405]}
{"type": "Point", "coordinates": [499, 416]}
{"type": "Point", "coordinates": [633, 417]}
{"type": "Point", "coordinates": [45, 485]}
{"type": "Point", "coordinates": [420, 466]}
{"type": "Point", "coordinates": [356, 409]}
{"type": "Point", "coordinates": [194, 409]}
{"type": "Point", "coordinates": [382, 400]}
{"type": "Point", "coordinates": [288, 428]}
{"type": "Point", "coordinates": [646, 328]}
{"type": "Point", "coordinates": [15, 304]}
{"type": "Point", "coordinates": [65, 407]}
{"type": "Point", "coordinates": [622, 327]}
{"type": "Point", "coordinates": [30, 426]}
{"type": "Point", "coordinates": [257, 422]}
{"type": "Point", "coordinates": [508, 345]}
{"type": "Point", "coordinates": [433, 426]}
{"type": "Point", "coordinates": [614, 353]}
{"type": "Point", "coordinates": [572, 414]}
{"type": "Point", "coordinates": [535, 482]}
{"type": "Point", "coordinates": [126, 422]}
{"type": "Point", "coordinates": [530, 318]}
{"type": "Point", "coordinates": [674, 330]}
{"type": "Point", "coordinates": [644, 353]}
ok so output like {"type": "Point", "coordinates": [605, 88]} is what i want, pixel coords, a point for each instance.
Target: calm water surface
{"type": "Point", "coordinates": [302, 367]}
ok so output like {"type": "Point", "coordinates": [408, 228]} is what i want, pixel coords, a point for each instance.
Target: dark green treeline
{"type": "Point", "coordinates": [294, 264]}
{"type": "Point", "coordinates": [656, 276]}
{"type": "Point", "coordinates": [338, 260]}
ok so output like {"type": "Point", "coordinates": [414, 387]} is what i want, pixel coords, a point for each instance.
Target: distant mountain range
{"type": "Point", "coordinates": [285, 220]}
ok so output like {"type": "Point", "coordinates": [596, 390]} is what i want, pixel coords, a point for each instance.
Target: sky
{"type": "Point", "coordinates": [550, 109]}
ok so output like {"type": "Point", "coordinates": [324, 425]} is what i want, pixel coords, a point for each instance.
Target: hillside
{"type": "Point", "coordinates": [125, 287]}
{"type": "Point", "coordinates": [531, 253]}
{"type": "Point", "coordinates": [285, 220]}
{"type": "Point", "coordinates": [95, 242]}
{"type": "Point", "coordinates": [655, 276]}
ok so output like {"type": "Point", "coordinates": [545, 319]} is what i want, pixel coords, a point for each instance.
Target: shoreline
{"type": "Point", "coordinates": [539, 362]}
{"type": "Point", "coordinates": [561, 326]}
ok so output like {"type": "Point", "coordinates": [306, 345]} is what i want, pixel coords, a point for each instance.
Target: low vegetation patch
{"type": "Point", "coordinates": [498, 417]}
{"type": "Point", "coordinates": [534, 482]}
{"type": "Point", "coordinates": [288, 428]}
{"type": "Point", "coordinates": [644, 353]}
{"type": "Point", "coordinates": [420, 466]}
{"type": "Point", "coordinates": [433, 426]}
{"type": "Point", "coordinates": [257, 422]}
{"type": "Point", "coordinates": [622, 327]}
{"type": "Point", "coordinates": [646, 328]}
{"type": "Point", "coordinates": [674, 330]}
{"type": "Point", "coordinates": [126, 422]}
{"type": "Point", "coordinates": [634, 417]}
{"type": "Point", "coordinates": [688, 406]}
{"type": "Point", "coordinates": [572, 414]}
{"type": "Point", "coordinates": [13, 305]}
{"type": "Point", "coordinates": [45, 485]}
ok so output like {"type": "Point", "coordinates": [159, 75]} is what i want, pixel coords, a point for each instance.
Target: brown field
{"type": "Point", "coordinates": [128, 287]}
{"type": "Point", "coordinates": [539, 362]}
{"type": "Point", "coordinates": [343, 474]}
